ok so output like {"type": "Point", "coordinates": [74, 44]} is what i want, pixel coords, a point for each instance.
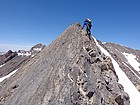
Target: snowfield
{"type": "Point", "coordinates": [132, 61]}
{"type": "Point", "coordinates": [134, 94]}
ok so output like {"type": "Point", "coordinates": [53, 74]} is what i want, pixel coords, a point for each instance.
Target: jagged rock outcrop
{"type": "Point", "coordinates": [33, 51]}
{"type": "Point", "coordinates": [37, 48]}
{"type": "Point", "coordinates": [70, 71]}
{"type": "Point", "coordinates": [7, 56]}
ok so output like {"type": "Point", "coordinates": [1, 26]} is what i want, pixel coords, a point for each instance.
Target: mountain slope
{"type": "Point", "coordinates": [72, 70]}
{"type": "Point", "coordinates": [128, 59]}
{"type": "Point", "coordinates": [11, 61]}
{"type": "Point", "coordinates": [123, 78]}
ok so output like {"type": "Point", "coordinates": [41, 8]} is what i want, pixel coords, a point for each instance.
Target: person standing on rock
{"type": "Point", "coordinates": [88, 25]}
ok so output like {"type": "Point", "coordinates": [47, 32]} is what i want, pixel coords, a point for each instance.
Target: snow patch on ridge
{"type": "Point", "coordinates": [7, 76]}
{"type": "Point", "coordinates": [132, 61]}
{"type": "Point", "coordinates": [24, 54]}
{"type": "Point", "coordinates": [104, 42]}
{"type": "Point", "coordinates": [117, 50]}
{"type": "Point", "coordinates": [37, 49]}
{"type": "Point", "coordinates": [2, 65]}
{"type": "Point", "coordinates": [131, 70]}
{"type": "Point", "coordinates": [123, 79]}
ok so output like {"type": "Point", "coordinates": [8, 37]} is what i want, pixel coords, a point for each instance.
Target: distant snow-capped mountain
{"type": "Point", "coordinates": [1, 53]}
{"type": "Point", "coordinates": [11, 61]}
{"type": "Point", "coordinates": [34, 50]}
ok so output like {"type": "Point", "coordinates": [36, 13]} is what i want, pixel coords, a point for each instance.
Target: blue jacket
{"type": "Point", "coordinates": [87, 24]}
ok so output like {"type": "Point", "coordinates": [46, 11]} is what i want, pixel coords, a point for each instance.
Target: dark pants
{"type": "Point", "coordinates": [88, 31]}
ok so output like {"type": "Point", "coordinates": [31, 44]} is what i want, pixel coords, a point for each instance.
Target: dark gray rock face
{"type": "Point", "coordinates": [12, 65]}
{"type": "Point", "coordinates": [7, 56]}
{"type": "Point", "coordinates": [70, 71]}
{"type": "Point", "coordinates": [9, 62]}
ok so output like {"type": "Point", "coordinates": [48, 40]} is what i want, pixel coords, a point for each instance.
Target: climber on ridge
{"type": "Point", "coordinates": [88, 24]}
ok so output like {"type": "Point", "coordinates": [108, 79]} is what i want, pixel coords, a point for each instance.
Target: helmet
{"type": "Point", "coordinates": [88, 20]}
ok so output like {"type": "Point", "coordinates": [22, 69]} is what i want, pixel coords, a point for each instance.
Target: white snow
{"type": "Point", "coordinates": [117, 50]}
{"type": "Point", "coordinates": [2, 65]}
{"type": "Point", "coordinates": [1, 53]}
{"type": "Point", "coordinates": [123, 79]}
{"type": "Point", "coordinates": [7, 76]}
{"type": "Point", "coordinates": [24, 54]}
{"type": "Point", "coordinates": [37, 49]}
{"type": "Point", "coordinates": [104, 42]}
{"type": "Point", "coordinates": [32, 56]}
{"type": "Point", "coordinates": [131, 70]}
{"type": "Point", "coordinates": [132, 61]}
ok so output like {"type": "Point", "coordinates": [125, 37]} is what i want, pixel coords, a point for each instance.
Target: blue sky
{"type": "Point", "coordinates": [24, 23]}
